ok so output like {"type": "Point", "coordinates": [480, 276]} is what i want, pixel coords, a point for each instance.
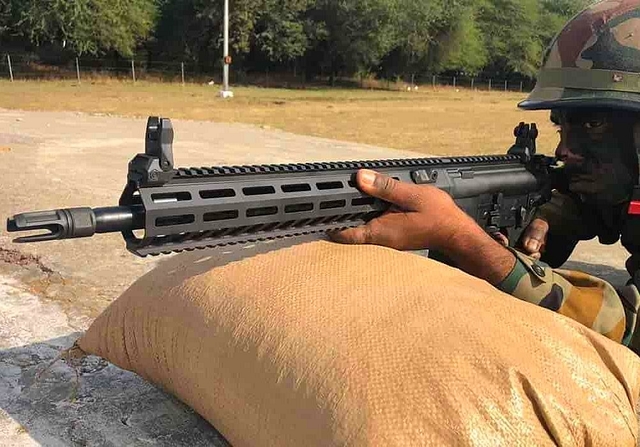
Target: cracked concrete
{"type": "Point", "coordinates": [50, 292]}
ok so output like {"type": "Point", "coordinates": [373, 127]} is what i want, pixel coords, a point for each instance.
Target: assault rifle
{"type": "Point", "coordinates": [165, 209]}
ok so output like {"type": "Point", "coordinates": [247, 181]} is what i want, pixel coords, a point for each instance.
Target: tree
{"type": "Point", "coordinates": [349, 37]}
{"type": "Point", "coordinates": [280, 30]}
{"type": "Point", "coordinates": [462, 48]}
{"type": "Point", "coordinates": [555, 13]}
{"type": "Point", "coordinates": [5, 19]}
{"type": "Point", "coordinates": [444, 35]}
{"type": "Point", "coordinates": [516, 32]}
{"type": "Point", "coordinates": [511, 36]}
{"type": "Point", "coordinates": [418, 23]}
{"type": "Point", "coordinates": [354, 34]}
{"type": "Point", "coordinates": [86, 26]}
{"type": "Point", "coordinates": [192, 30]}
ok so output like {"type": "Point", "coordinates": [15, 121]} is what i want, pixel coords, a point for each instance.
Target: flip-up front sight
{"type": "Point", "coordinates": [155, 166]}
{"type": "Point", "coordinates": [159, 140]}
{"type": "Point", "coordinates": [525, 145]}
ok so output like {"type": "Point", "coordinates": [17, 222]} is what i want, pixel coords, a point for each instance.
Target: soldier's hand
{"type": "Point", "coordinates": [421, 216]}
{"type": "Point", "coordinates": [534, 238]}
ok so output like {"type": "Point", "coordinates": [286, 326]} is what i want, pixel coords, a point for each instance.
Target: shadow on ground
{"type": "Point", "coordinates": [91, 404]}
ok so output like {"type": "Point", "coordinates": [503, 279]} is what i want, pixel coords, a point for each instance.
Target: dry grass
{"type": "Point", "coordinates": [443, 121]}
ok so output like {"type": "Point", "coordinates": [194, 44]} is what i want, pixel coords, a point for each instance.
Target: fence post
{"type": "Point", "coordinates": [489, 84]}
{"type": "Point", "coordinates": [505, 85]}
{"type": "Point", "coordinates": [472, 81]}
{"type": "Point", "coordinates": [520, 86]}
{"type": "Point", "coordinates": [78, 70]}
{"type": "Point", "coordinates": [182, 70]}
{"type": "Point", "coordinates": [133, 71]}
{"type": "Point", "coordinates": [454, 82]}
{"type": "Point", "coordinates": [433, 82]}
{"type": "Point", "coordinates": [10, 69]}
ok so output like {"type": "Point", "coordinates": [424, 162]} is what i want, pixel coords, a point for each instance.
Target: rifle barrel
{"type": "Point", "coordinates": [71, 223]}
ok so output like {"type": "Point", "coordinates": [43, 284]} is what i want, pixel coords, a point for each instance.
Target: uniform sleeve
{"type": "Point", "coordinates": [584, 298]}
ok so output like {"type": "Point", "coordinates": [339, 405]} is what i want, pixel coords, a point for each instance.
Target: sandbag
{"type": "Point", "coordinates": [324, 344]}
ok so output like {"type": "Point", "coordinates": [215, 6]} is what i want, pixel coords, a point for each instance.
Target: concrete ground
{"type": "Point", "coordinates": [50, 292]}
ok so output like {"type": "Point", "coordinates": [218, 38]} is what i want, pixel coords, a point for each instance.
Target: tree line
{"type": "Point", "coordinates": [315, 38]}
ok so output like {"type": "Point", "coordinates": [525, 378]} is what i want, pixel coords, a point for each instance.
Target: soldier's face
{"type": "Point", "coordinates": [598, 149]}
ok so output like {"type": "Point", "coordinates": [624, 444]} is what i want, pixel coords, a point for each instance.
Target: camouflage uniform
{"type": "Point", "coordinates": [593, 62]}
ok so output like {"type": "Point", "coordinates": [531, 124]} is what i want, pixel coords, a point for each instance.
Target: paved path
{"type": "Point", "coordinates": [50, 292]}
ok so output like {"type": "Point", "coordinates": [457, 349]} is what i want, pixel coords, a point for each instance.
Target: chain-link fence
{"type": "Point", "coordinates": [23, 67]}
{"type": "Point", "coordinates": [20, 67]}
{"type": "Point", "coordinates": [483, 83]}
{"type": "Point", "coordinates": [436, 81]}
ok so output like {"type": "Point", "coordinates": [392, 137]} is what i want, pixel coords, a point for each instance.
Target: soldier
{"type": "Point", "coordinates": [590, 81]}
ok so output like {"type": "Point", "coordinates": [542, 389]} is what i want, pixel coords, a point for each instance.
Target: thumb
{"type": "Point", "coordinates": [388, 189]}
{"type": "Point", "coordinates": [536, 235]}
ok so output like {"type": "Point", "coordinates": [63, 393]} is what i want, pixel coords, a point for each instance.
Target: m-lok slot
{"type": "Point", "coordinates": [258, 190]}
{"type": "Point", "coordinates": [220, 215]}
{"type": "Point", "coordinates": [217, 193]}
{"type": "Point", "coordinates": [170, 197]}
{"type": "Point", "coordinates": [262, 211]}
{"type": "Point", "coordinates": [331, 204]}
{"type": "Point", "coordinates": [323, 186]}
{"type": "Point", "coordinates": [362, 201]}
{"type": "Point", "coordinates": [300, 187]}
{"type": "Point", "coordinates": [298, 208]}
{"type": "Point", "coordinates": [172, 221]}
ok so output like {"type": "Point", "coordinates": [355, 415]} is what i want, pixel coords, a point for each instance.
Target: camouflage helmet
{"type": "Point", "coordinates": [593, 62]}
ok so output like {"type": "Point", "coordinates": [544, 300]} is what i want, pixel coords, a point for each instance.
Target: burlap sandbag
{"type": "Point", "coordinates": [324, 344]}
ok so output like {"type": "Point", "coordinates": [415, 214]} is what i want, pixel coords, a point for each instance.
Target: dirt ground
{"type": "Point", "coordinates": [50, 292]}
